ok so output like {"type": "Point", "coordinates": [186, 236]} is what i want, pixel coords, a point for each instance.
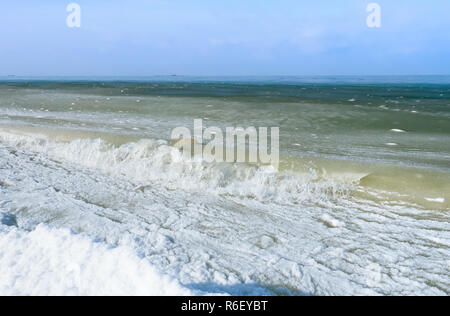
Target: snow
{"type": "Point", "coordinates": [50, 261]}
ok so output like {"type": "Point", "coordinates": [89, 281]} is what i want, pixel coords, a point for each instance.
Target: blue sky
{"type": "Point", "coordinates": [224, 37]}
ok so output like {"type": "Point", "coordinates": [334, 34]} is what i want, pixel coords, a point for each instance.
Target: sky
{"type": "Point", "coordinates": [224, 38]}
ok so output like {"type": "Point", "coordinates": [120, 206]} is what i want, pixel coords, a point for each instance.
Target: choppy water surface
{"type": "Point", "coordinates": [360, 204]}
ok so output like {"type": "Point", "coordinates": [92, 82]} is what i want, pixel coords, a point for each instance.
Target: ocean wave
{"type": "Point", "coordinates": [212, 244]}
{"type": "Point", "coordinates": [148, 162]}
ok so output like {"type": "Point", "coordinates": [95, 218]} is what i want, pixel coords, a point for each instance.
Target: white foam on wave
{"type": "Point", "coordinates": [50, 261]}
{"type": "Point", "coordinates": [155, 162]}
{"type": "Point", "coordinates": [396, 130]}
{"type": "Point", "coordinates": [436, 200]}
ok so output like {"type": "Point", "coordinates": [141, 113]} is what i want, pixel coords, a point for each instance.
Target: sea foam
{"type": "Point", "coordinates": [155, 162]}
{"type": "Point", "coordinates": [48, 261]}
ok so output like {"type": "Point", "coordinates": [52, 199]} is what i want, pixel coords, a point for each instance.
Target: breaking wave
{"type": "Point", "coordinates": [149, 162]}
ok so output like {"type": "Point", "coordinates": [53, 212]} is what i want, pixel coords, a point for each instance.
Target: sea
{"type": "Point", "coordinates": [96, 199]}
